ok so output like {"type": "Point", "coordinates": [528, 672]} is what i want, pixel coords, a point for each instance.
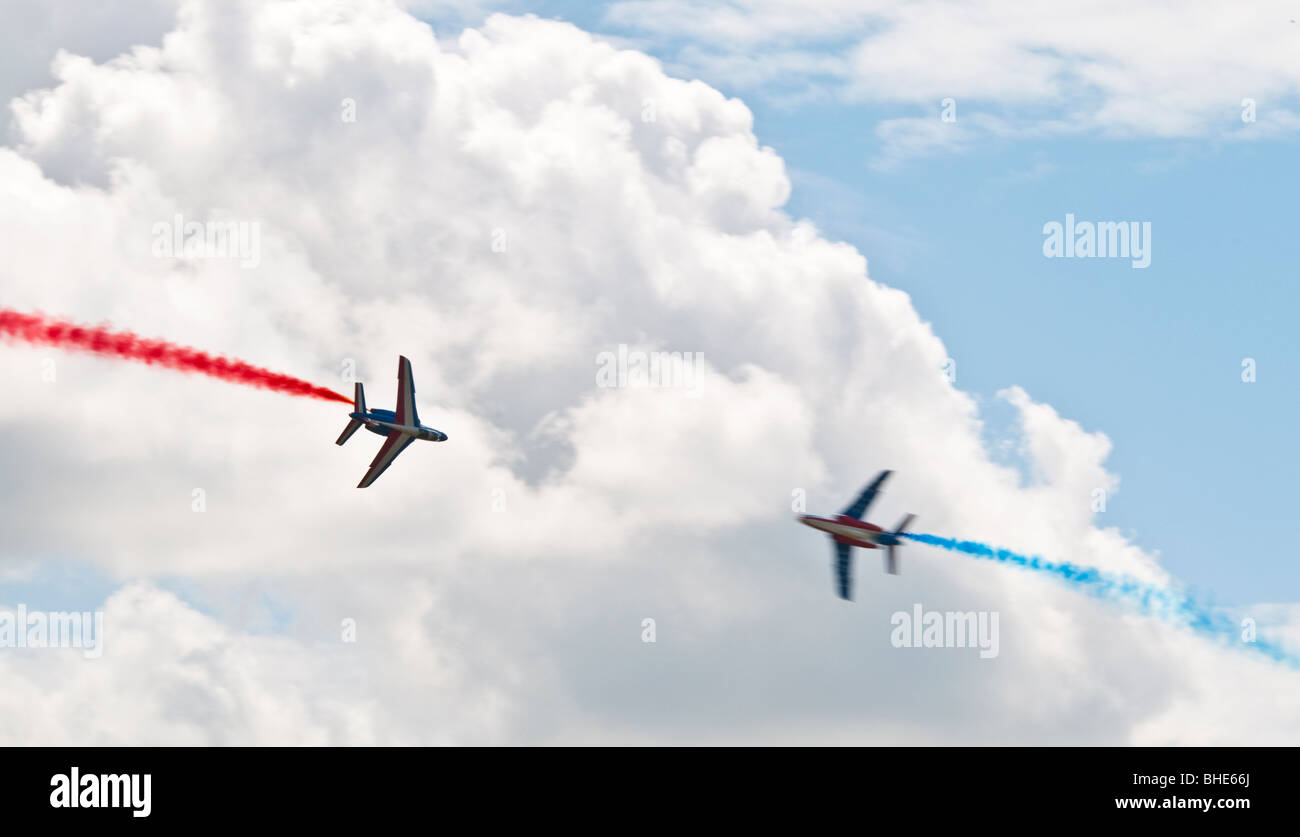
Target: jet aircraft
{"type": "Point", "coordinates": [401, 427]}
{"type": "Point", "coordinates": [847, 530]}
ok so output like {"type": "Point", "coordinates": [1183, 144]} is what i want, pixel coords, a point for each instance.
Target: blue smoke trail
{"type": "Point", "coordinates": [1171, 606]}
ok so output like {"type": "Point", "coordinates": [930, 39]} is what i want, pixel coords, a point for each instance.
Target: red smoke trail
{"type": "Point", "coordinates": [36, 329]}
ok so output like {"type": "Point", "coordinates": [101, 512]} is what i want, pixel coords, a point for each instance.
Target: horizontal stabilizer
{"type": "Point", "coordinates": [353, 427]}
{"type": "Point", "coordinates": [891, 556]}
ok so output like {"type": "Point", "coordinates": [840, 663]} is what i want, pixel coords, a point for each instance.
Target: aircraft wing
{"type": "Point", "coordinates": [406, 394]}
{"type": "Point", "coordinates": [844, 570]}
{"type": "Point", "coordinates": [395, 444]}
{"type": "Point", "coordinates": [868, 494]}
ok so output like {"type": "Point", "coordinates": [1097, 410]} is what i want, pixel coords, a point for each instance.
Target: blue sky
{"type": "Point", "coordinates": [1152, 357]}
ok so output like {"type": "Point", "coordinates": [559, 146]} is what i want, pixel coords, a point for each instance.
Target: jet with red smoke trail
{"type": "Point", "coordinates": [847, 529]}
{"type": "Point", "coordinates": [401, 426]}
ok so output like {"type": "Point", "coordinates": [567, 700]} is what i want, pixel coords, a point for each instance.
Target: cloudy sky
{"type": "Point", "coordinates": [840, 210]}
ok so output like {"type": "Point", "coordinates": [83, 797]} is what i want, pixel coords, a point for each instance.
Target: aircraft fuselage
{"type": "Point", "coordinates": [850, 530]}
{"type": "Point", "coordinates": [383, 422]}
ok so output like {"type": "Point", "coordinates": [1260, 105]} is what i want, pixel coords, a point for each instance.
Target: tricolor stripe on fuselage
{"type": "Point", "coordinates": [845, 530]}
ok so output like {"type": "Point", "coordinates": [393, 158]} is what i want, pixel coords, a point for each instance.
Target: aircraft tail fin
{"type": "Point", "coordinates": [359, 404]}
{"type": "Point", "coordinates": [891, 557]}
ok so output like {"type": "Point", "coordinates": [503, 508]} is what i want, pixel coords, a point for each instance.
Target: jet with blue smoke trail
{"type": "Point", "coordinates": [1169, 605]}
{"type": "Point", "coordinates": [847, 529]}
